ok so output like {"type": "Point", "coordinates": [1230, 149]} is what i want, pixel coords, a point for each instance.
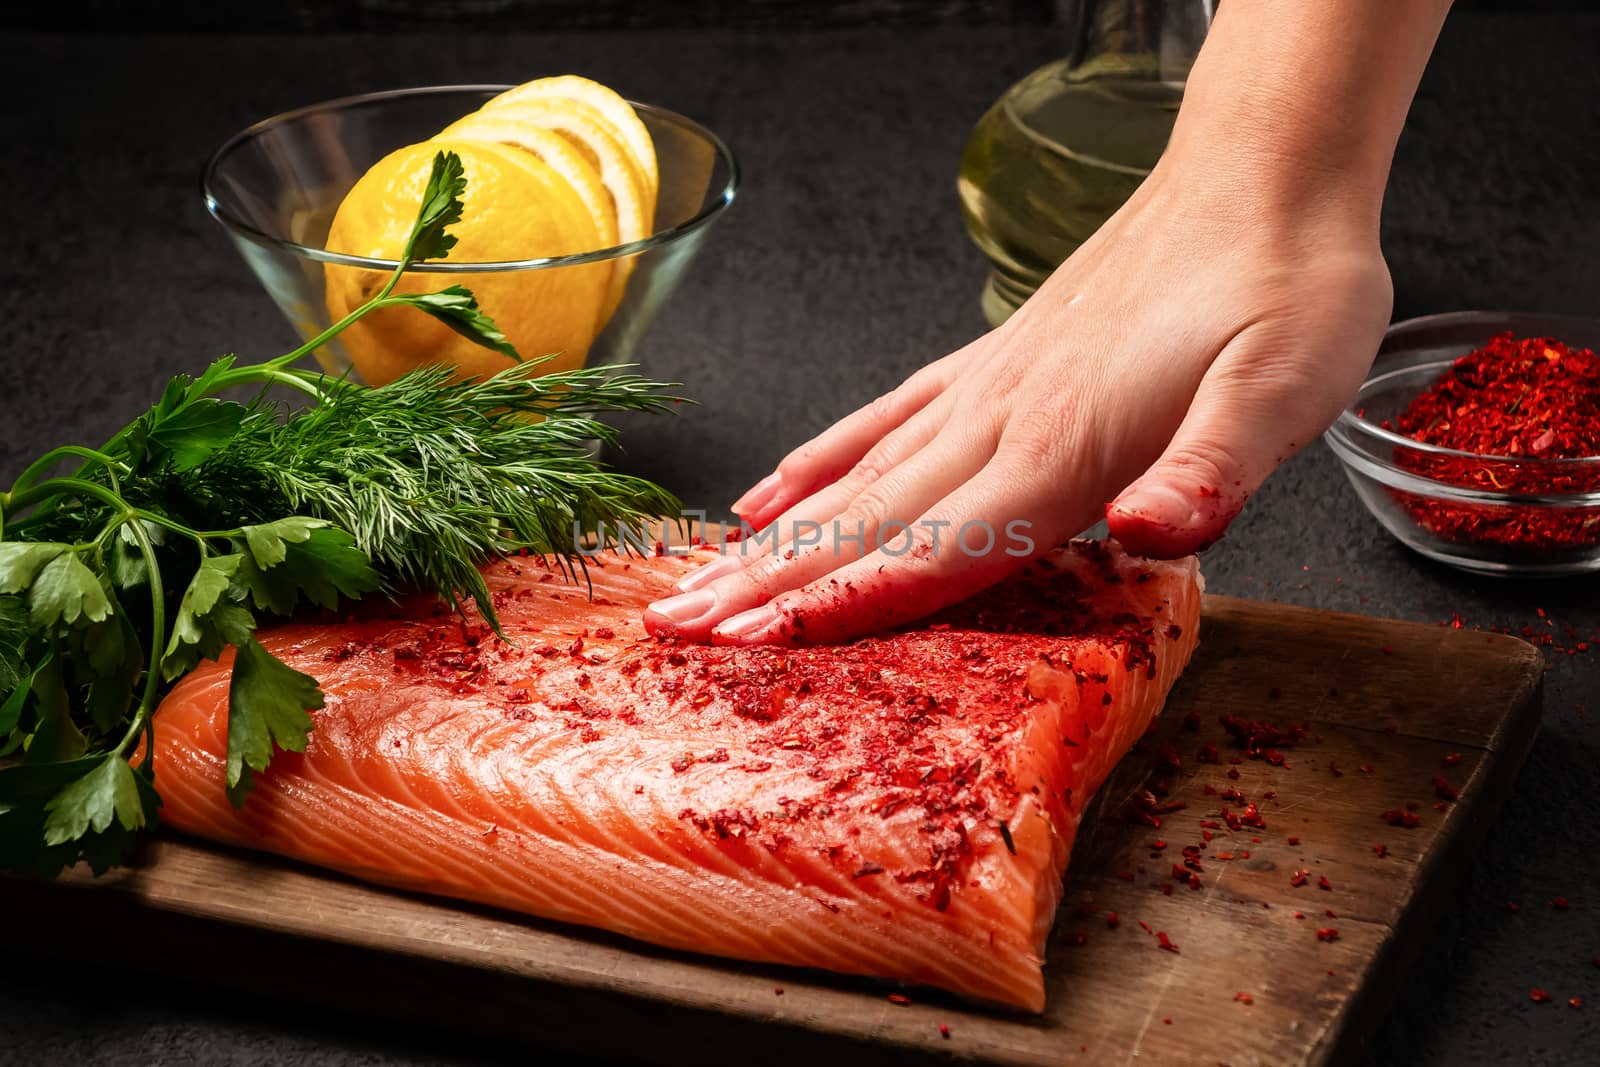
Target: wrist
{"type": "Point", "coordinates": [1300, 105]}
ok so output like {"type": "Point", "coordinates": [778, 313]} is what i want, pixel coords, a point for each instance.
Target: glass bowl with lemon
{"type": "Point", "coordinates": [582, 212]}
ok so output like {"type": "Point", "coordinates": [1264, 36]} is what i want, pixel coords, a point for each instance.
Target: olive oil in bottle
{"type": "Point", "coordinates": [1062, 150]}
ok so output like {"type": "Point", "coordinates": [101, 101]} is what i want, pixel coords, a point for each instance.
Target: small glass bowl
{"type": "Point", "coordinates": [1415, 489]}
{"type": "Point", "coordinates": [275, 186]}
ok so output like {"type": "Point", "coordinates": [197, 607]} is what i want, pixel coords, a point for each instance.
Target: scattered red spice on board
{"type": "Point", "coordinates": [1165, 942]}
{"type": "Point", "coordinates": [1575, 1002]}
{"type": "Point", "coordinates": [1445, 790]}
{"type": "Point", "coordinates": [1167, 1020]}
{"type": "Point", "coordinates": [944, 1031]}
{"type": "Point", "coordinates": [1513, 907]}
{"type": "Point", "coordinates": [1452, 759]}
{"type": "Point", "coordinates": [1328, 933]}
{"type": "Point", "coordinates": [1559, 903]}
{"type": "Point", "coordinates": [1294, 840]}
{"type": "Point", "coordinates": [1077, 939]}
{"type": "Point", "coordinates": [1299, 915]}
{"type": "Point", "coordinates": [899, 998]}
{"type": "Point", "coordinates": [1323, 883]}
{"type": "Point", "coordinates": [1380, 851]}
{"type": "Point", "coordinates": [1112, 920]}
{"type": "Point", "coordinates": [1401, 817]}
{"type": "Point", "coordinates": [1244, 998]}
{"type": "Point", "coordinates": [1538, 996]}
{"type": "Point", "coordinates": [1298, 878]}
{"type": "Point", "coordinates": [777, 991]}
{"type": "Point", "coordinates": [1513, 399]}
{"type": "Point", "coordinates": [1256, 738]}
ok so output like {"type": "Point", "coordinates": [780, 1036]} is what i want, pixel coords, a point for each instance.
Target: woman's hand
{"type": "Point", "coordinates": [1215, 325]}
{"type": "Point", "coordinates": [1190, 347]}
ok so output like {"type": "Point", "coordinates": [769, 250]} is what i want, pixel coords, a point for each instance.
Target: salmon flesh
{"type": "Point", "coordinates": [903, 806]}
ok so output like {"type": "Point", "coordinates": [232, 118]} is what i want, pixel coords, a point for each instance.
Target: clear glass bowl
{"type": "Point", "coordinates": [1420, 492]}
{"type": "Point", "coordinates": [275, 186]}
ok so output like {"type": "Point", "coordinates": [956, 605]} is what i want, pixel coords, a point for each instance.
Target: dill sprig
{"type": "Point", "coordinates": [432, 477]}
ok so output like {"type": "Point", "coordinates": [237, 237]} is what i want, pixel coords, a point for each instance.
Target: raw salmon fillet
{"type": "Point", "coordinates": [903, 806]}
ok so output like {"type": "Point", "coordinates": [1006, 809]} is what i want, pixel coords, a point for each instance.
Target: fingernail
{"type": "Point", "coordinates": [1159, 505]}
{"type": "Point", "coordinates": [684, 608]}
{"type": "Point", "coordinates": [708, 572]}
{"type": "Point", "coordinates": [759, 494]}
{"type": "Point", "coordinates": [749, 626]}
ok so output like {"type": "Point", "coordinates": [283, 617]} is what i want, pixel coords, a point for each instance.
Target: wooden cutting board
{"type": "Point", "coordinates": [1389, 707]}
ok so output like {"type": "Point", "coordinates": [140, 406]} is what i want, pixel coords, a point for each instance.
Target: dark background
{"type": "Point", "coordinates": [842, 267]}
{"type": "Point", "coordinates": [478, 15]}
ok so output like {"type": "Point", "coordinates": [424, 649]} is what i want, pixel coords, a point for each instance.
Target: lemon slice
{"type": "Point", "coordinates": [583, 152]}
{"type": "Point", "coordinates": [555, 152]}
{"type": "Point", "coordinates": [615, 111]}
{"type": "Point", "coordinates": [516, 207]}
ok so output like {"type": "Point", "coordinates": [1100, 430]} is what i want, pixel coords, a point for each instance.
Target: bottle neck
{"type": "Point", "coordinates": [1151, 40]}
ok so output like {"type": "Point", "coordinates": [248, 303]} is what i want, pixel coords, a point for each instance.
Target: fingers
{"type": "Point", "coordinates": [877, 515]}
{"type": "Point", "coordinates": [1267, 394]}
{"type": "Point", "coordinates": [831, 454]}
{"type": "Point", "coordinates": [977, 535]}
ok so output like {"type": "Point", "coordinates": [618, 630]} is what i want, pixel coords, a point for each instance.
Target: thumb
{"type": "Point", "coordinates": [1259, 403]}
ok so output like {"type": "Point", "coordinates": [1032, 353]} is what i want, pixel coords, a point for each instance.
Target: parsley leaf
{"type": "Point", "coordinates": [125, 561]}
{"type": "Point", "coordinates": [21, 561]}
{"type": "Point", "coordinates": [267, 705]}
{"type": "Point", "coordinates": [207, 621]}
{"type": "Point", "coordinates": [267, 542]}
{"type": "Point", "coordinates": [441, 207]}
{"type": "Point", "coordinates": [297, 557]}
{"type": "Point", "coordinates": [458, 309]}
{"type": "Point", "coordinates": [112, 790]}
{"type": "Point", "coordinates": [191, 434]}
{"type": "Point", "coordinates": [65, 590]}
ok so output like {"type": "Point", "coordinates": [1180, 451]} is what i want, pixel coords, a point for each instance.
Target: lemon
{"type": "Point", "coordinates": [592, 160]}
{"type": "Point", "coordinates": [516, 206]}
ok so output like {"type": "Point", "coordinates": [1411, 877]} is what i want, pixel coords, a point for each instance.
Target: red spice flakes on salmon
{"type": "Point", "coordinates": [759, 761]}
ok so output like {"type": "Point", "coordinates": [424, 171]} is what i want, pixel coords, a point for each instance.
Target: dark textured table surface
{"type": "Point", "coordinates": [842, 268]}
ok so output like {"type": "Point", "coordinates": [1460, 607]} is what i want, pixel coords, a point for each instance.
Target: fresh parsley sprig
{"type": "Point", "coordinates": [206, 517]}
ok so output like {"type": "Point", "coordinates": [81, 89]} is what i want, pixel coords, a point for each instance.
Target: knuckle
{"type": "Point", "coordinates": [870, 507]}
{"type": "Point", "coordinates": [887, 407]}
